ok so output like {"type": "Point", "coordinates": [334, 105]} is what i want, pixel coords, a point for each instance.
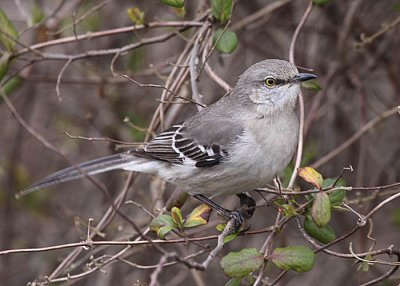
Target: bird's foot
{"type": "Point", "coordinates": [238, 216]}
{"type": "Point", "coordinates": [238, 219]}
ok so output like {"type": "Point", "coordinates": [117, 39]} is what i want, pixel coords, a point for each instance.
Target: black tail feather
{"type": "Point", "coordinates": [92, 167]}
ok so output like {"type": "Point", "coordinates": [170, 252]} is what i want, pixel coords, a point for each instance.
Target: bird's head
{"type": "Point", "coordinates": [272, 84]}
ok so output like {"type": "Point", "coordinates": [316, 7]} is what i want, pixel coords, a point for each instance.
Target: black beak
{"type": "Point", "coordinates": [303, 77]}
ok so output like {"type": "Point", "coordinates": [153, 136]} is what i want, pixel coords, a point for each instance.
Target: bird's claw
{"type": "Point", "coordinates": [238, 219]}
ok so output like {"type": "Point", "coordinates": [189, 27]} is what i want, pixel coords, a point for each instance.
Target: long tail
{"type": "Point", "coordinates": [112, 162]}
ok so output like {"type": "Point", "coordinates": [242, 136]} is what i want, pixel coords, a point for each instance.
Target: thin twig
{"type": "Point", "coordinates": [60, 74]}
{"type": "Point", "coordinates": [111, 32]}
{"type": "Point", "coordinates": [135, 265]}
{"type": "Point", "coordinates": [217, 79]}
{"type": "Point", "coordinates": [301, 100]}
{"type": "Point", "coordinates": [381, 205]}
{"type": "Point", "coordinates": [92, 243]}
{"type": "Point", "coordinates": [157, 271]}
{"type": "Point", "coordinates": [386, 28]}
{"type": "Point", "coordinates": [106, 139]}
{"type": "Point", "coordinates": [355, 137]}
{"type": "Point", "coordinates": [193, 64]}
{"type": "Point", "coordinates": [80, 19]}
{"type": "Point", "coordinates": [220, 244]}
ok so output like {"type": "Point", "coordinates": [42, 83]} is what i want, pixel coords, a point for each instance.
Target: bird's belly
{"type": "Point", "coordinates": [251, 164]}
{"type": "Point", "coordinates": [218, 180]}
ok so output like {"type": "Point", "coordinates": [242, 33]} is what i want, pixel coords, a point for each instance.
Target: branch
{"type": "Point", "coordinates": [368, 40]}
{"type": "Point", "coordinates": [355, 137]}
{"type": "Point", "coordinates": [193, 65]}
{"type": "Point", "coordinates": [89, 243]}
{"type": "Point", "coordinates": [111, 32]}
{"type": "Point", "coordinates": [216, 78]}
{"type": "Point", "coordinates": [301, 100]}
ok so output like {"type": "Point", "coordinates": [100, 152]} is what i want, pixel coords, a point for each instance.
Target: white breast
{"type": "Point", "coordinates": [263, 150]}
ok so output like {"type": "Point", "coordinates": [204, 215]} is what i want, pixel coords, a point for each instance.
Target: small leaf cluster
{"type": "Point", "coordinates": [319, 214]}
{"type": "Point", "coordinates": [136, 15]}
{"type": "Point", "coordinates": [230, 237]}
{"type": "Point", "coordinates": [240, 265]}
{"type": "Point", "coordinates": [225, 41]}
{"type": "Point", "coordinates": [296, 257]}
{"type": "Point", "coordinates": [174, 3]}
{"type": "Point", "coordinates": [165, 223]}
{"type": "Point", "coordinates": [9, 33]}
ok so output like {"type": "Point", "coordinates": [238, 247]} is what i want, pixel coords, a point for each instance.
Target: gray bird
{"type": "Point", "coordinates": [233, 146]}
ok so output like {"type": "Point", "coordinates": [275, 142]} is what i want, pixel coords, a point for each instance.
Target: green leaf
{"type": "Point", "coordinates": [365, 264]}
{"type": "Point", "coordinates": [136, 15]}
{"type": "Point", "coordinates": [321, 2]}
{"type": "Point", "coordinates": [323, 234]}
{"type": "Point", "coordinates": [222, 10]}
{"type": "Point", "coordinates": [4, 64]}
{"type": "Point", "coordinates": [297, 258]}
{"type": "Point", "coordinates": [174, 3]}
{"type": "Point", "coordinates": [230, 237]}
{"type": "Point", "coordinates": [248, 280]}
{"type": "Point", "coordinates": [311, 176]}
{"type": "Point", "coordinates": [8, 28]}
{"type": "Point", "coordinates": [177, 217]}
{"type": "Point", "coordinates": [227, 41]}
{"type": "Point", "coordinates": [199, 216]}
{"type": "Point", "coordinates": [311, 84]}
{"type": "Point", "coordinates": [242, 263]}
{"type": "Point", "coordinates": [221, 227]}
{"type": "Point", "coordinates": [162, 220]}
{"type": "Point", "coordinates": [12, 84]}
{"type": "Point", "coordinates": [321, 209]}
{"type": "Point", "coordinates": [234, 282]}
{"type": "Point", "coordinates": [162, 225]}
{"type": "Point", "coordinates": [328, 183]}
{"type": "Point", "coordinates": [288, 210]}
{"type": "Point", "coordinates": [162, 231]}
{"type": "Point", "coordinates": [337, 196]}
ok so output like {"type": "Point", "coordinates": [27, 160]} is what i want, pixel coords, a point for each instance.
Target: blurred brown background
{"type": "Point", "coordinates": [358, 84]}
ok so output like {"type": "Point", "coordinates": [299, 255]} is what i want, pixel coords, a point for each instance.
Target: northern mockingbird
{"type": "Point", "coordinates": [233, 146]}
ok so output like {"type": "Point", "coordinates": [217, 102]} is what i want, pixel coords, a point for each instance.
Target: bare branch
{"type": "Point", "coordinates": [111, 32]}
{"type": "Point", "coordinates": [367, 127]}
{"type": "Point", "coordinates": [385, 28]}
{"type": "Point", "coordinates": [301, 100]}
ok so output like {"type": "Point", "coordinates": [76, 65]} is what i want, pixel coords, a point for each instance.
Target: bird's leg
{"type": "Point", "coordinates": [237, 215]}
{"type": "Point", "coordinates": [278, 184]}
{"type": "Point", "coordinates": [247, 205]}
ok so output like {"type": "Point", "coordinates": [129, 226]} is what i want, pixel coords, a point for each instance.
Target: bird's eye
{"type": "Point", "coordinates": [270, 81]}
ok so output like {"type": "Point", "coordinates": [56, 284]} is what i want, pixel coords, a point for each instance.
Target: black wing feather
{"type": "Point", "coordinates": [172, 146]}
